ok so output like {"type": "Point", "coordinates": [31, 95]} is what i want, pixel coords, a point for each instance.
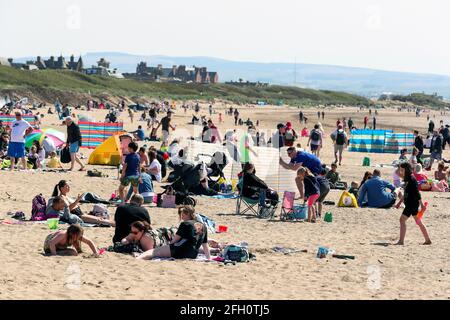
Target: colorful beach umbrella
{"type": "Point", "coordinates": [58, 137]}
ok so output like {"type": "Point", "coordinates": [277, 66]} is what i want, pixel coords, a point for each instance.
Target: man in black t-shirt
{"type": "Point", "coordinates": [126, 214]}
{"type": "Point", "coordinates": [165, 123]}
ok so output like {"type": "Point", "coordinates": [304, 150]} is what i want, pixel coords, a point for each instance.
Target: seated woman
{"type": "Point", "coordinates": [140, 235]}
{"type": "Point", "coordinates": [252, 184]}
{"type": "Point", "coordinates": [440, 173]}
{"type": "Point", "coordinates": [40, 152]}
{"type": "Point", "coordinates": [154, 169]}
{"type": "Point", "coordinates": [190, 236]}
{"type": "Point", "coordinates": [62, 189]}
{"type": "Point", "coordinates": [145, 188]}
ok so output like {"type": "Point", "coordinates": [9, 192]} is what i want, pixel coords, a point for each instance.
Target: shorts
{"type": "Point", "coordinates": [165, 136]}
{"type": "Point", "coordinates": [324, 190]}
{"type": "Point", "coordinates": [436, 156]}
{"type": "Point", "coordinates": [411, 211]}
{"type": "Point", "coordinates": [312, 199]}
{"type": "Point", "coordinates": [134, 180]}
{"type": "Point", "coordinates": [74, 147]}
{"type": "Point", "coordinates": [338, 149]}
{"type": "Point", "coordinates": [16, 149]}
{"type": "Point", "coordinates": [182, 252]}
{"type": "Point", "coordinates": [314, 147]}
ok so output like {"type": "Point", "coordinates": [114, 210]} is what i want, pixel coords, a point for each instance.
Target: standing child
{"type": "Point", "coordinates": [131, 171]}
{"type": "Point", "coordinates": [412, 200]}
{"type": "Point", "coordinates": [309, 189]}
{"type": "Point", "coordinates": [220, 118]}
{"type": "Point", "coordinates": [61, 241]}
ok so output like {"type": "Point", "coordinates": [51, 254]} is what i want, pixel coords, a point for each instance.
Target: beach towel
{"type": "Point", "coordinates": [223, 196]}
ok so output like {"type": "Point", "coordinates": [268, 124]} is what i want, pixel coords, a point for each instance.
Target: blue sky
{"type": "Point", "coordinates": [396, 35]}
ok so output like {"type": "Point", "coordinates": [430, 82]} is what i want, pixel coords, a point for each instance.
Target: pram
{"type": "Point", "coordinates": [218, 162]}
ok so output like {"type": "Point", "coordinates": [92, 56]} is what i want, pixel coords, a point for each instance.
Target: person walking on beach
{"type": "Point", "coordinates": [16, 147]}
{"type": "Point", "coordinates": [323, 115]}
{"type": "Point", "coordinates": [366, 120]}
{"type": "Point", "coordinates": [166, 125]}
{"type": "Point", "coordinates": [236, 116]}
{"type": "Point", "coordinates": [412, 200]}
{"type": "Point", "coordinates": [74, 142]}
{"type": "Point", "coordinates": [374, 123]}
{"type": "Point", "coordinates": [131, 115]}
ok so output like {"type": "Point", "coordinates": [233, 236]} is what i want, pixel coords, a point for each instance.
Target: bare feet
{"type": "Point", "coordinates": [427, 243]}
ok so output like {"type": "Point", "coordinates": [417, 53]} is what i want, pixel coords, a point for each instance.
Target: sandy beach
{"type": "Point", "coordinates": [379, 271]}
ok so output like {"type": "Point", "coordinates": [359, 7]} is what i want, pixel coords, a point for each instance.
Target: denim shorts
{"type": "Point", "coordinates": [74, 147]}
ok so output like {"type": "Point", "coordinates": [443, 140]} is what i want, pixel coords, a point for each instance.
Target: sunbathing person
{"type": "Point", "coordinates": [190, 236]}
{"type": "Point", "coordinates": [62, 189]}
{"type": "Point", "coordinates": [61, 242]}
{"type": "Point", "coordinates": [252, 184]}
{"type": "Point", "coordinates": [140, 234]}
{"type": "Point", "coordinates": [440, 174]}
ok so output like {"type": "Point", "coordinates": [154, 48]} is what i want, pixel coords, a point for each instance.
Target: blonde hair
{"type": "Point", "coordinates": [305, 171]}
{"type": "Point", "coordinates": [188, 210]}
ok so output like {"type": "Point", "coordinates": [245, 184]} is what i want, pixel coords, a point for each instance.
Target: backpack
{"type": "Point", "coordinates": [315, 135]}
{"type": "Point", "coordinates": [236, 253]}
{"type": "Point", "coordinates": [289, 135]}
{"type": "Point", "coordinates": [39, 208]}
{"type": "Point", "coordinates": [340, 138]}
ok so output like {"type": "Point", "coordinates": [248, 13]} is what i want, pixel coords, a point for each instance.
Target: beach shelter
{"type": "Point", "coordinates": [111, 151]}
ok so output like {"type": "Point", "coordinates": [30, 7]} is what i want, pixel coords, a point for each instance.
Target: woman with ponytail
{"type": "Point", "coordinates": [62, 189]}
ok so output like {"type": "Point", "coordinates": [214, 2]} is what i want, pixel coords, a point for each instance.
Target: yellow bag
{"type": "Point", "coordinates": [347, 200]}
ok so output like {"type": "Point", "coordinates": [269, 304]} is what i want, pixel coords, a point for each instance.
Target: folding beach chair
{"type": "Point", "coordinates": [248, 204]}
{"type": "Point", "coordinates": [260, 207]}
{"type": "Point", "coordinates": [287, 208]}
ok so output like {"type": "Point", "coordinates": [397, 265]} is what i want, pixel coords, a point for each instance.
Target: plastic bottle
{"type": "Point", "coordinates": [421, 212]}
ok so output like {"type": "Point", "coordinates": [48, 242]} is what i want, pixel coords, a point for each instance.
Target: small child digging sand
{"type": "Point", "coordinates": [61, 242]}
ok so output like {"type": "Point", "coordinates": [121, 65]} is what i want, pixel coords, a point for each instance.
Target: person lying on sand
{"type": "Point", "coordinates": [61, 242]}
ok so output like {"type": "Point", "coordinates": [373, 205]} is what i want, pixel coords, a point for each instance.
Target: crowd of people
{"type": "Point", "coordinates": [142, 167]}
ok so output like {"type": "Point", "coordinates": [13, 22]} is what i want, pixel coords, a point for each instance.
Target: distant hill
{"type": "Point", "coordinates": [73, 87]}
{"type": "Point", "coordinates": [362, 81]}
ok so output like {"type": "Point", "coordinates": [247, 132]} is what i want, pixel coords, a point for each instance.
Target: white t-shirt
{"type": "Point", "coordinates": [18, 130]}
{"type": "Point", "coordinates": [49, 145]}
{"type": "Point", "coordinates": [156, 165]}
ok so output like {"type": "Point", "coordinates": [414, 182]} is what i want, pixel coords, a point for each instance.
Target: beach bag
{"type": "Point", "coordinates": [315, 135]}
{"type": "Point", "coordinates": [168, 201]}
{"type": "Point", "coordinates": [125, 248]}
{"type": "Point", "coordinates": [65, 155]}
{"type": "Point", "coordinates": [236, 253]}
{"type": "Point", "coordinates": [39, 208]}
{"type": "Point", "coordinates": [347, 200]}
{"type": "Point", "coordinates": [340, 138]}
{"type": "Point", "coordinates": [100, 210]}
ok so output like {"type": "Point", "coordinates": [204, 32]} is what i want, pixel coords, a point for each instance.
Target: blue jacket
{"type": "Point", "coordinates": [375, 190]}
